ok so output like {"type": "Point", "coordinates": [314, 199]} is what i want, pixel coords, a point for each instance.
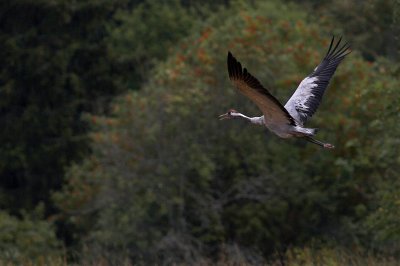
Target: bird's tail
{"type": "Point", "coordinates": [314, 131]}
{"type": "Point", "coordinates": [307, 131]}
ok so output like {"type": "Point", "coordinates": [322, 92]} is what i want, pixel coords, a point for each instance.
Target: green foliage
{"type": "Point", "coordinates": [151, 22]}
{"type": "Point", "coordinates": [383, 223]}
{"type": "Point", "coordinates": [55, 67]}
{"type": "Point", "coordinates": [27, 239]}
{"type": "Point", "coordinates": [334, 257]}
{"type": "Point", "coordinates": [292, 257]}
{"type": "Point", "coordinates": [371, 25]}
{"type": "Point", "coordinates": [169, 182]}
{"type": "Point", "coordinates": [142, 36]}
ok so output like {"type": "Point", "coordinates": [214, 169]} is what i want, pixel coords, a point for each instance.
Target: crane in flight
{"type": "Point", "coordinates": [287, 121]}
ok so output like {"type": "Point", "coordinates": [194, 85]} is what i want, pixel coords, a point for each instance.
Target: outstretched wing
{"type": "Point", "coordinates": [308, 95]}
{"type": "Point", "coordinates": [249, 86]}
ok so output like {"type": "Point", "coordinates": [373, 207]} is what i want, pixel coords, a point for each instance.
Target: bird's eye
{"type": "Point", "coordinates": [230, 112]}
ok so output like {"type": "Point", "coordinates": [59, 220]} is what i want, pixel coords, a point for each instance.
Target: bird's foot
{"type": "Point", "coordinates": [328, 146]}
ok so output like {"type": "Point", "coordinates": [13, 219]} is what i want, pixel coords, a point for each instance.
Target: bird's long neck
{"type": "Point", "coordinates": [258, 120]}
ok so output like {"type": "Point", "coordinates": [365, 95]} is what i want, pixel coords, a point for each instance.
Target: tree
{"type": "Point", "coordinates": [56, 65]}
{"type": "Point", "coordinates": [30, 239]}
{"type": "Point", "coordinates": [144, 35]}
{"type": "Point", "coordinates": [362, 21]}
{"type": "Point", "coordinates": [169, 182]}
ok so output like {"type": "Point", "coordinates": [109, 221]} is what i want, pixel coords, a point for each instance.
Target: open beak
{"type": "Point", "coordinates": [223, 117]}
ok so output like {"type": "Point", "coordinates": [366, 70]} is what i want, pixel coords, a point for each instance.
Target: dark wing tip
{"type": "Point", "coordinates": [234, 67]}
{"type": "Point", "coordinates": [324, 72]}
{"type": "Point", "coordinates": [229, 63]}
{"type": "Point", "coordinates": [330, 46]}
{"type": "Point", "coordinates": [337, 51]}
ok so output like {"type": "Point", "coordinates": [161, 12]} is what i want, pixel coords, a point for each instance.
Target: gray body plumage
{"type": "Point", "coordinates": [286, 130]}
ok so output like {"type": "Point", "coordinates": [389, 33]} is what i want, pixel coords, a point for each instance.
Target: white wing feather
{"type": "Point", "coordinates": [307, 97]}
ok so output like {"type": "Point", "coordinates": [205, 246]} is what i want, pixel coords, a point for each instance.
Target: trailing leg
{"type": "Point", "coordinates": [325, 145]}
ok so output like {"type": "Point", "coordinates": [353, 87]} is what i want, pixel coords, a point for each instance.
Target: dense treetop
{"type": "Point", "coordinates": [112, 150]}
{"type": "Point", "coordinates": [169, 182]}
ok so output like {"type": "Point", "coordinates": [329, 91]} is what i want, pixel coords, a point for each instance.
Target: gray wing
{"type": "Point", "coordinates": [273, 110]}
{"type": "Point", "coordinates": [308, 95]}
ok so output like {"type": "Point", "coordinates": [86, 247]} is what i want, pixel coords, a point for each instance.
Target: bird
{"type": "Point", "coordinates": [287, 121]}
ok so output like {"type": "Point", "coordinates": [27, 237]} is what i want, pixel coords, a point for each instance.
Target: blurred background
{"type": "Point", "coordinates": [112, 154]}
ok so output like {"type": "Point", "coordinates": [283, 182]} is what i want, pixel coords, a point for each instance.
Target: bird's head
{"type": "Point", "coordinates": [232, 113]}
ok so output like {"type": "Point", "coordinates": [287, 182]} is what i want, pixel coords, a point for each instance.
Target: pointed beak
{"type": "Point", "coordinates": [223, 117]}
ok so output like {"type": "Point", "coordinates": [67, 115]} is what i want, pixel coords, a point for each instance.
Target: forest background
{"type": "Point", "coordinates": [111, 151]}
